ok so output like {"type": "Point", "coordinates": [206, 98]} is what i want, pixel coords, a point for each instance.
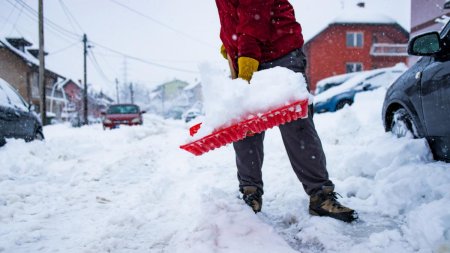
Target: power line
{"type": "Point", "coordinates": [145, 61]}
{"type": "Point", "coordinates": [17, 19]}
{"type": "Point", "coordinates": [161, 23]}
{"type": "Point", "coordinates": [50, 23]}
{"type": "Point", "coordinates": [32, 14]}
{"type": "Point", "coordinates": [7, 19]}
{"type": "Point", "coordinates": [70, 36]}
{"type": "Point", "coordinates": [64, 48]}
{"type": "Point", "coordinates": [70, 17]}
{"type": "Point", "coordinates": [97, 67]}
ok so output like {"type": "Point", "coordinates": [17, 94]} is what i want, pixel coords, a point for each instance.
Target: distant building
{"type": "Point", "coordinates": [355, 41]}
{"type": "Point", "coordinates": [173, 98]}
{"type": "Point", "coordinates": [193, 94]}
{"type": "Point", "coordinates": [19, 66]}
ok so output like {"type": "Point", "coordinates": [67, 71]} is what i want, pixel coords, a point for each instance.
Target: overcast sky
{"type": "Point", "coordinates": [149, 41]}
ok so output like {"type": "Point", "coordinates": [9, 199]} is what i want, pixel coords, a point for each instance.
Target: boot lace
{"type": "Point", "coordinates": [332, 197]}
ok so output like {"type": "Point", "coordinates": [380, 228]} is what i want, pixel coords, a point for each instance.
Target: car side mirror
{"type": "Point", "coordinates": [103, 113]}
{"type": "Point", "coordinates": [425, 44]}
{"type": "Point", "coordinates": [143, 112]}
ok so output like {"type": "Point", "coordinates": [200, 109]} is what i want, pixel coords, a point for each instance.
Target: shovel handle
{"type": "Point", "coordinates": [232, 70]}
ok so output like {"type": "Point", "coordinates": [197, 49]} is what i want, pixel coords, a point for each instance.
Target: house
{"type": "Point", "coordinates": [193, 94]}
{"type": "Point", "coordinates": [98, 102]}
{"type": "Point", "coordinates": [355, 40]}
{"type": "Point", "coordinates": [19, 66]}
{"type": "Point", "coordinates": [168, 99]}
{"type": "Point", "coordinates": [173, 98]}
{"type": "Point", "coordinates": [73, 92]}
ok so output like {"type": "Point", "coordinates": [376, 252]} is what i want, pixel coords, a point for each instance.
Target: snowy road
{"type": "Point", "coordinates": [133, 190]}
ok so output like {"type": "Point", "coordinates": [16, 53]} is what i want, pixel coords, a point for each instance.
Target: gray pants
{"type": "Point", "coordinates": [300, 139]}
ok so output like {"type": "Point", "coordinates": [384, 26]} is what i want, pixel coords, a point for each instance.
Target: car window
{"type": "Point", "coordinates": [15, 100]}
{"type": "Point", "coordinates": [4, 100]}
{"type": "Point", "coordinates": [375, 80]}
{"type": "Point", "coordinates": [123, 109]}
{"type": "Point", "coordinates": [385, 79]}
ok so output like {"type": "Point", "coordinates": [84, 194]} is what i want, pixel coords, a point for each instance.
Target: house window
{"type": "Point", "coordinates": [354, 39]}
{"type": "Point", "coordinates": [353, 67]}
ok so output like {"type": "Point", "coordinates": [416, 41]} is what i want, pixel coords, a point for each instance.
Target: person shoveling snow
{"type": "Point", "coordinates": [260, 35]}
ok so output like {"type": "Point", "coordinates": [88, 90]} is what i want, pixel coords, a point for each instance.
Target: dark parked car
{"type": "Point", "coordinates": [122, 114]}
{"type": "Point", "coordinates": [419, 101]}
{"type": "Point", "coordinates": [17, 119]}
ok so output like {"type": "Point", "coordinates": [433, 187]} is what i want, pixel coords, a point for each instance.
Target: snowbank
{"type": "Point", "coordinates": [133, 190]}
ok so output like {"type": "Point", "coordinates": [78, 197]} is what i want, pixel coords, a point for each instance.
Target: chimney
{"type": "Point", "coordinates": [361, 4]}
{"type": "Point", "coordinates": [35, 53]}
{"type": "Point", "coordinates": [19, 43]}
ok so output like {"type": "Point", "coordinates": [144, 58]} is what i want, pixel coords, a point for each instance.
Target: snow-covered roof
{"type": "Point", "coordinates": [64, 82]}
{"type": "Point", "coordinates": [362, 16]}
{"type": "Point", "coordinates": [27, 56]}
{"type": "Point", "coordinates": [355, 16]}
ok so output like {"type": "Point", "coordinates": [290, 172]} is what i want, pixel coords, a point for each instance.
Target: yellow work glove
{"type": "Point", "coordinates": [247, 66]}
{"type": "Point", "coordinates": [223, 51]}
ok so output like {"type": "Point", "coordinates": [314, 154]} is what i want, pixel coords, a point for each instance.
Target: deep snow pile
{"type": "Point", "coordinates": [133, 190]}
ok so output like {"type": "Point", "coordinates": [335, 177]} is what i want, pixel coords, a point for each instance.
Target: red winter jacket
{"type": "Point", "coordinates": [261, 29]}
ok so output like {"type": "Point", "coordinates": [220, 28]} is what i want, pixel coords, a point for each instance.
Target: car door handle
{"type": "Point", "coordinates": [418, 75]}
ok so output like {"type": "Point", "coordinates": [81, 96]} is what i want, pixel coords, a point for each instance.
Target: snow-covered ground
{"type": "Point", "coordinates": [133, 190]}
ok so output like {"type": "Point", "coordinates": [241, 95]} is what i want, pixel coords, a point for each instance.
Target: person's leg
{"type": "Point", "coordinates": [249, 161]}
{"type": "Point", "coordinates": [305, 153]}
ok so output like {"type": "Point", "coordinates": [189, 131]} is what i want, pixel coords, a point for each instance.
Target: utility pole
{"type": "Point", "coordinates": [131, 93]}
{"type": "Point", "coordinates": [85, 93]}
{"type": "Point", "coordinates": [42, 102]}
{"type": "Point", "coordinates": [117, 91]}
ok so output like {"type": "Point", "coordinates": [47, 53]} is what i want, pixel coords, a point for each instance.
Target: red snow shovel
{"type": "Point", "coordinates": [252, 124]}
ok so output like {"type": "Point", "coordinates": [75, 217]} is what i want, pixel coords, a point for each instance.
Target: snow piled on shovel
{"type": "Point", "coordinates": [228, 101]}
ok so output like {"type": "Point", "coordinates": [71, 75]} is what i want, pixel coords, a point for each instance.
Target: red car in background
{"type": "Point", "coordinates": [122, 114]}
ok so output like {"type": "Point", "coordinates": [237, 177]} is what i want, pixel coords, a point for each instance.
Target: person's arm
{"type": "Point", "coordinates": [254, 26]}
{"type": "Point", "coordinates": [253, 30]}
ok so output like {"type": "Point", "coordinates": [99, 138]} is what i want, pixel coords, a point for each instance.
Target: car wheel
{"type": "Point", "coordinates": [38, 135]}
{"type": "Point", "coordinates": [342, 103]}
{"type": "Point", "coordinates": [402, 124]}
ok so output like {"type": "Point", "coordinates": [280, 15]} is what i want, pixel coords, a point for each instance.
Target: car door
{"type": "Point", "coordinates": [21, 121]}
{"type": "Point", "coordinates": [6, 115]}
{"type": "Point", "coordinates": [435, 87]}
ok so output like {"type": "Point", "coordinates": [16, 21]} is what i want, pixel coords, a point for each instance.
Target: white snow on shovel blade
{"type": "Point", "coordinates": [227, 100]}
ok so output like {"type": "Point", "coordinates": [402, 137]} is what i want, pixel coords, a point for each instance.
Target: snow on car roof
{"type": "Point", "coordinates": [352, 82]}
{"type": "Point", "coordinates": [336, 79]}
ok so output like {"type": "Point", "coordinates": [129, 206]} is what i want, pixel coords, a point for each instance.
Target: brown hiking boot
{"type": "Point", "coordinates": [252, 197]}
{"type": "Point", "coordinates": [324, 203]}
